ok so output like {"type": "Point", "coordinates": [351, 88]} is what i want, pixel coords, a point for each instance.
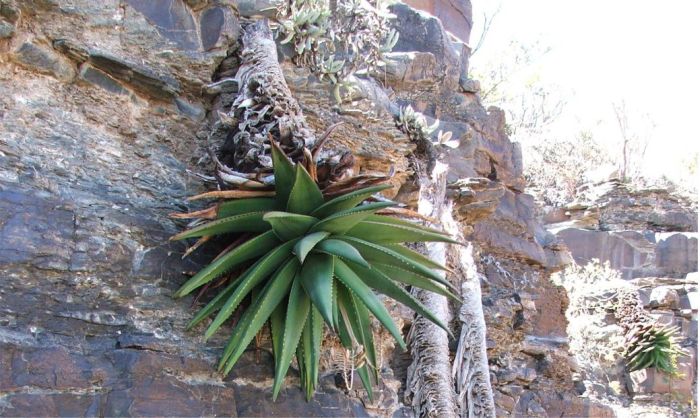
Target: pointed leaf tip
{"type": "Point", "coordinates": [284, 175]}
{"type": "Point", "coordinates": [306, 244]}
{"type": "Point", "coordinates": [289, 225]}
{"type": "Point", "coordinates": [305, 195]}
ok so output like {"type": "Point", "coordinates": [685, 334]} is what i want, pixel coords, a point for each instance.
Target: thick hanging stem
{"type": "Point", "coordinates": [429, 380]}
{"type": "Point", "coordinates": [264, 106]}
{"type": "Point", "coordinates": [470, 369]}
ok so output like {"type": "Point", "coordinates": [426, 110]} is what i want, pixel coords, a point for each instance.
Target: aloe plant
{"type": "Point", "coordinates": [651, 345]}
{"type": "Point", "coordinates": [311, 260]}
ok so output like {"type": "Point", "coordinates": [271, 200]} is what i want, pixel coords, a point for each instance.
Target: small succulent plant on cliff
{"type": "Point", "coordinates": [337, 39]}
{"type": "Point", "coordinates": [415, 125]}
{"type": "Point", "coordinates": [651, 345]}
{"type": "Point", "coordinates": [647, 344]}
{"type": "Point", "coordinates": [596, 290]}
{"type": "Point", "coordinates": [305, 260]}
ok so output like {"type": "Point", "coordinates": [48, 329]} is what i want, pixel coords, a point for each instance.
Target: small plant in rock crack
{"type": "Point", "coordinates": [337, 39]}
{"type": "Point", "coordinates": [651, 345]}
{"type": "Point", "coordinates": [415, 125]}
{"type": "Point", "coordinates": [307, 259]}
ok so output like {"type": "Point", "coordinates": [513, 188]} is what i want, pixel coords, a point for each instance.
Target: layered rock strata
{"type": "Point", "coordinates": [650, 236]}
{"type": "Point", "coordinates": [105, 110]}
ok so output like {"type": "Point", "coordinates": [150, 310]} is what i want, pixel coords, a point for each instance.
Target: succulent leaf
{"type": "Point", "coordinates": [413, 279]}
{"type": "Point", "coordinates": [415, 256]}
{"type": "Point", "coordinates": [359, 288]}
{"type": "Point", "coordinates": [277, 329]}
{"type": "Point", "coordinates": [305, 195]}
{"type": "Point", "coordinates": [297, 311]}
{"type": "Point", "coordinates": [353, 326]}
{"type": "Point", "coordinates": [252, 248]}
{"type": "Point", "coordinates": [317, 279]}
{"type": "Point", "coordinates": [241, 206]}
{"type": "Point", "coordinates": [347, 201]}
{"type": "Point", "coordinates": [284, 176]}
{"type": "Point", "coordinates": [251, 278]}
{"type": "Point", "coordinates": [306, 244]}
{"type": "Point", "coordinates": [343, 250]}
{"type": "Point", "coordinates": [345, 220]}
{"type": "Point", "coordinates": [247, 222]}
{"type": "Point", "coordinates": [386, 286]}
{"type": "Point", "coordinates": [389, 233]}
{"type": "Point", "coordinates": [263, 306]}
{"type": "Point", "coordinates": [289, 225]}
{"type": "Point", "coordinates": [214, 305]}
{"type": "Point", "coordinates": [375, 253]}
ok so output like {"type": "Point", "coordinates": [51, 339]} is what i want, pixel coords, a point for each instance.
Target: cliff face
{"type": "Point", "coordinates": [105, 107]}
{"type": "Point", "coordinates": [650, 236]}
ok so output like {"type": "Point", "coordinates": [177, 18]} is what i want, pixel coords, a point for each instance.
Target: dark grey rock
{"type": "Point", "coordinates": [44, 60]}
{"type": "Point", "coordinates": [633, 253]}
{"type": "Point", "coordinates": [677, 254]}
{"type": "Point", "coordinates": [146, 80]}
{"type": "Point", "coordinates": [423, 33]}
{"type": "Point", "coordinates": [211, 22]}
{"type": "Point", "coordinates": [72, 50]}
{"type": "Point", "coordinates": [40, 230]}
{"type": "Point", "coordinates": [191, 110]}
{"type": "Point", "coordinates": [629, 252]}
{"type": "Point", "coordinates": [102, 80]}
{"type": "Point", "coordinates": [470, 85]}
{"type": "Point", "coordinates": [456, 15]}
{"type": "Point", "coordinates": [172, 19]}
{"type": "Point", "coordinates": [6, 29]}
{"type": "Point", "coordinates": [256, 8]}
{"type": "Point", "coordinates": [9, 10]}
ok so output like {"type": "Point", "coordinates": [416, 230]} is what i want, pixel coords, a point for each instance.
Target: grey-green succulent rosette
{"type": "Point", "coordinates": [304, 260]}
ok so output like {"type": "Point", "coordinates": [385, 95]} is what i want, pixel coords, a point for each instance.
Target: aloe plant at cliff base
{"type": "Point", "coordinates": [651, 345]}
{"type": "Point", "coordinates": [310, 260]}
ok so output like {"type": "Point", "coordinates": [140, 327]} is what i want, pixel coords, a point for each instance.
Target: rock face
{"type": "Point", "coordinates": [635, 254]}
{"type": "Point", "coordinates": [524, 311]}
{"type": "Point", "coordinates": [650, 236]}
{"type": "Point", "coordinates": [456, 15]}
{"type": "Point", "coordinates": [104, 109]}
{"type": "Point", "coordinates": [616, 206]}
{"type": "Point", "coordinates": [642, 233]}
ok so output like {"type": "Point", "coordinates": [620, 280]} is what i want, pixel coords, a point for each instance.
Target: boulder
{"type": "Point", "coordinates": [616, 206]}
{"type": "Point", "coordinates": [420, 32]}
{"type": "Point", "coordinates": [676, 253]}
{"type": "Point", "coordinates": [648, 381]}
{"type": "Point", "coordinates": [456, 15]}
{"type": "Point", "coordinates": [6, 29]}
{"type": "Point", "coordinates": [633, 253]}
{"type": "Point", "coordinates": [664, 297]}
{"type": "Point", "coordinates": [45, 60]}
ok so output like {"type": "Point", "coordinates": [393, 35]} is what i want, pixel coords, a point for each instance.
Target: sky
{"type": "Point", "coordinates": [645, 53]}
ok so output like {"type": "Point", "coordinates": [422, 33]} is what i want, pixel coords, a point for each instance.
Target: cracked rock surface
{"type": "Point", "coordinates": [104, 114]}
